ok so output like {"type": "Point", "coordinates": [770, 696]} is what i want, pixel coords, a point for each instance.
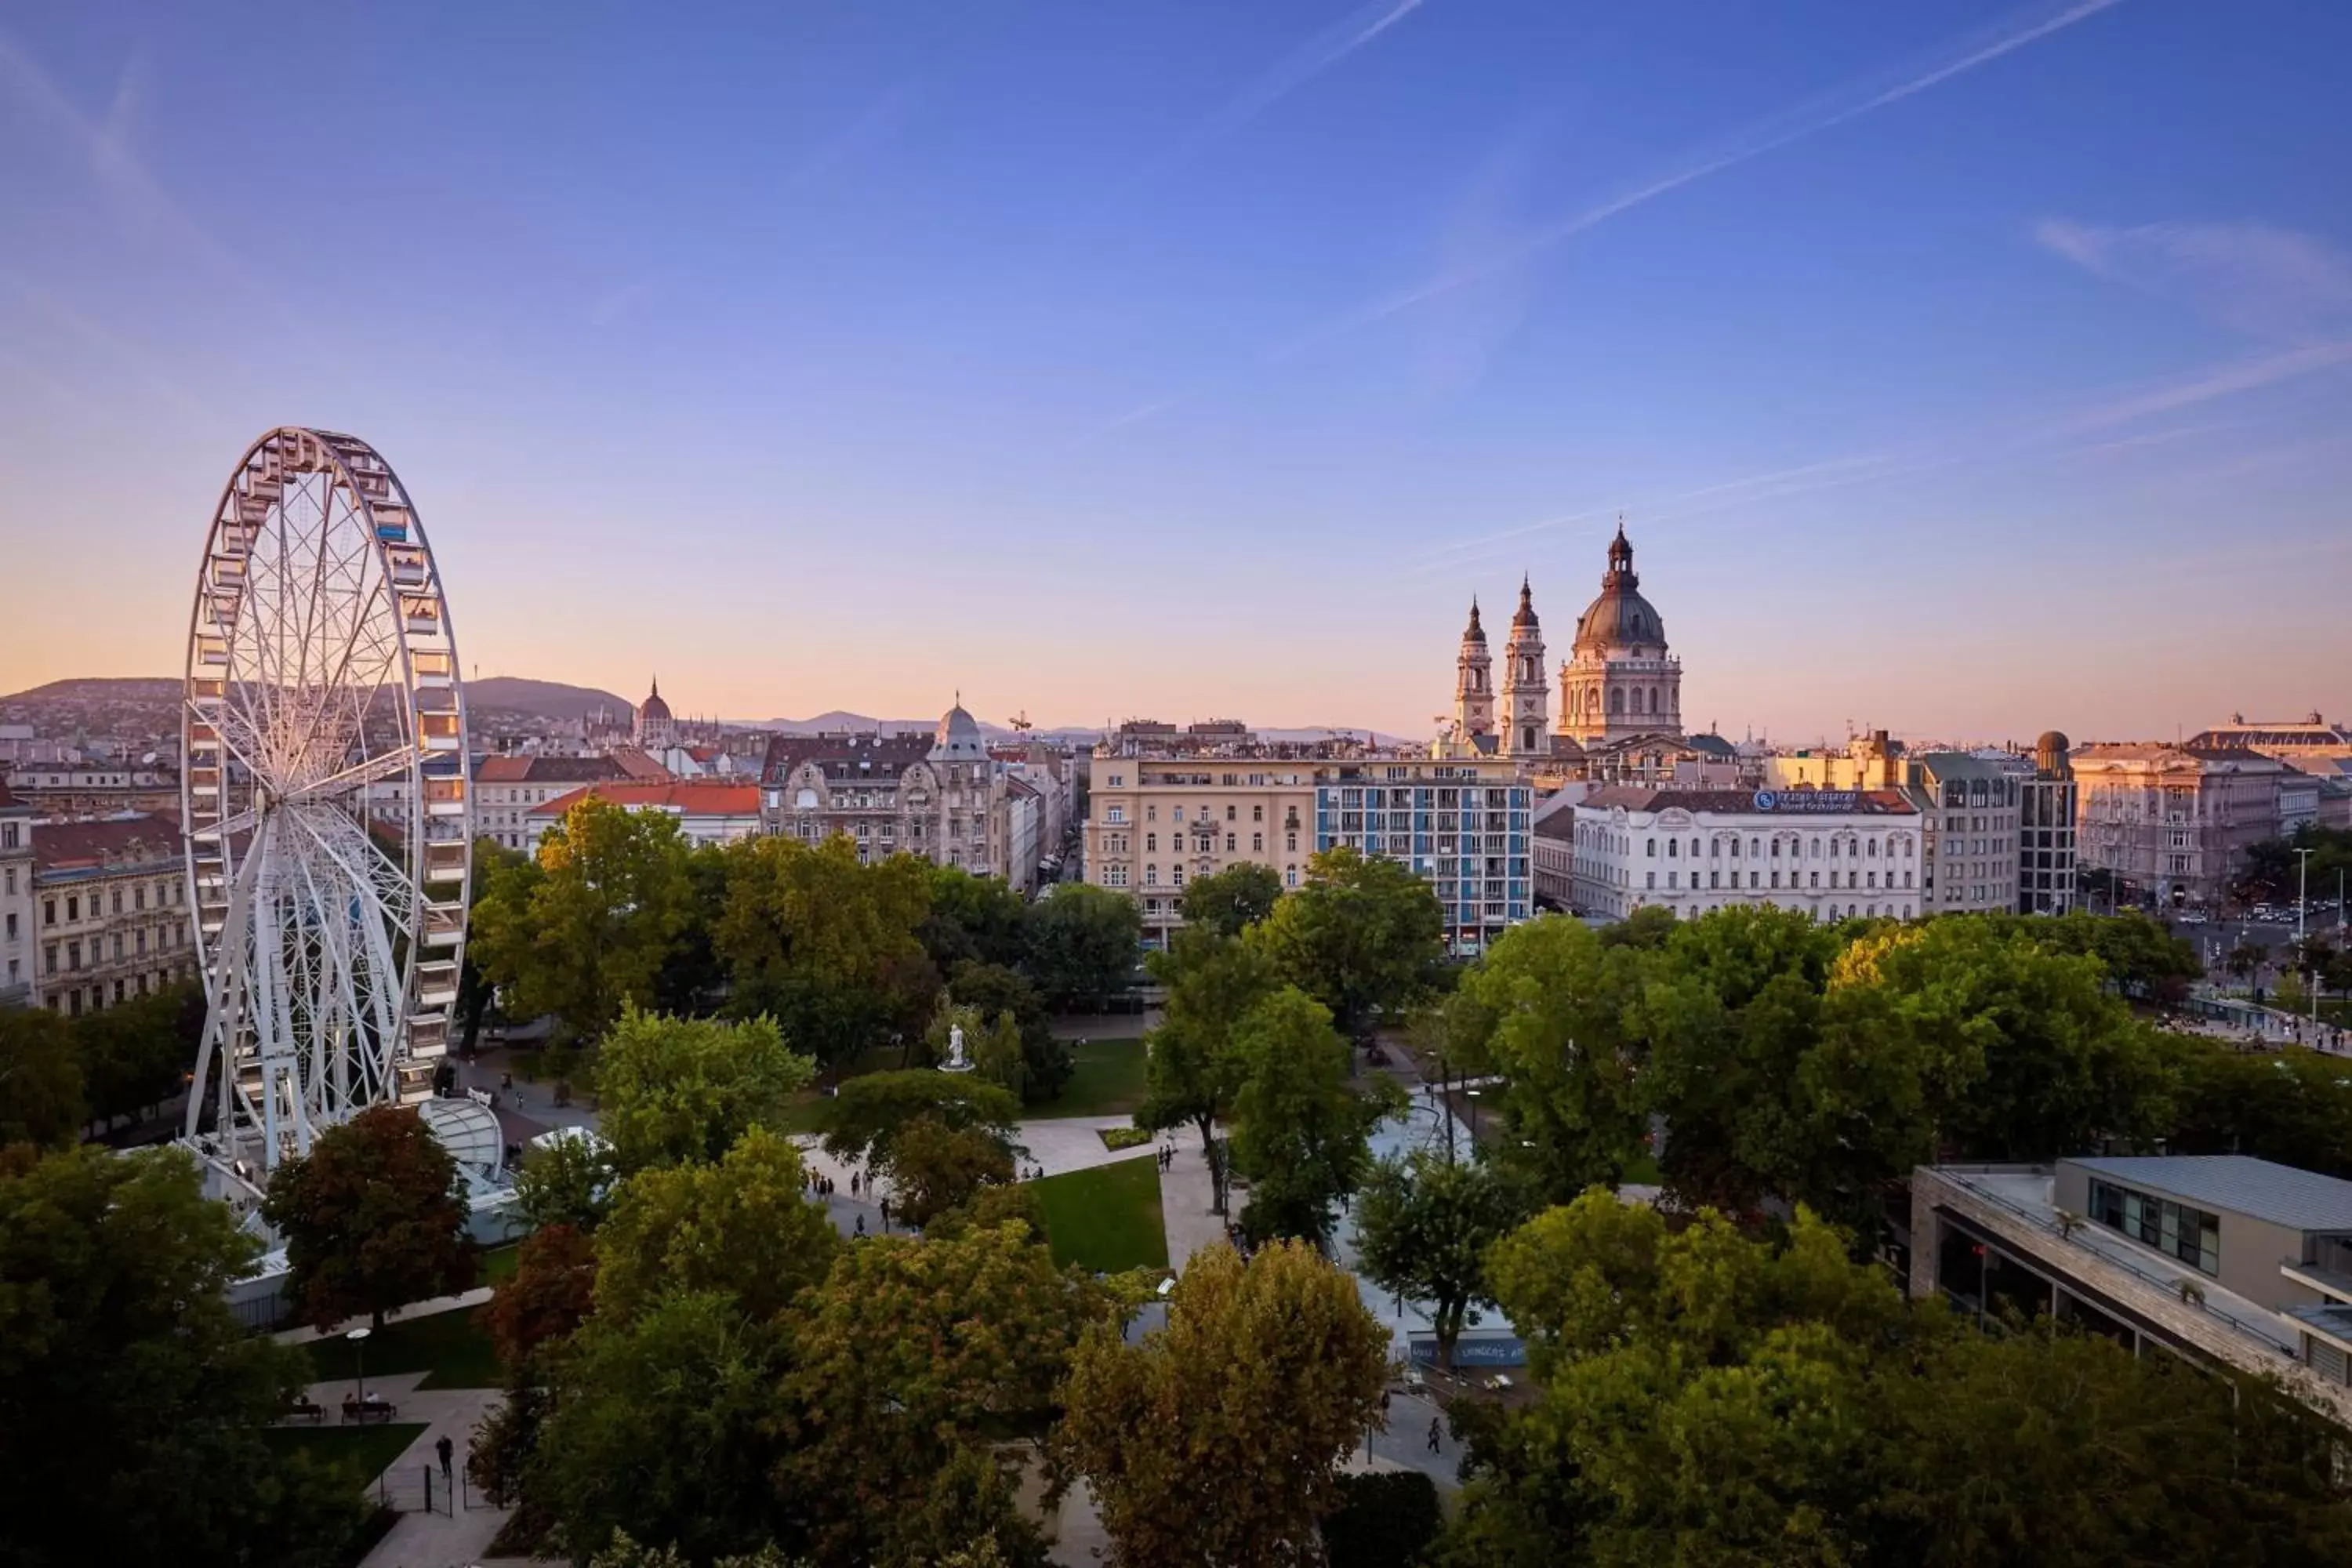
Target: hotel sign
{"type": "Point", "coordinates": [1822, 801]}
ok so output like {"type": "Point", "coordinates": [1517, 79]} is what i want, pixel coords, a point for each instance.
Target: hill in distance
{"type": "Point", "coordinates": [541, 698]}
{"type": "Point", "coordinates": [103, 689]}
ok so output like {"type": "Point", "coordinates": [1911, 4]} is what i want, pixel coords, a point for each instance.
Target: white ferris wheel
{"type": "Point", "coordinates": [323, 803]}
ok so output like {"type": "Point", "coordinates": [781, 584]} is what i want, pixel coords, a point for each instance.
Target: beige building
{"type": "Point", "coordinates": [1970, 809]}
{"type": "Point", "coordinates": [1155, 823]}
{"type": "Point", "coordinates": [1835, 854]}
{"type": "Point", "coordinates": [2174, 822]}
{"type": "Point", "coordinates": [112, 898]}
{"type": "Point", "coordinates": [506, 790]}
{"type": "Point", "coordinates": [17, 951]}
{"type": "Point", "coordinates": [1619, 680]}
{"type": "Point", "coordinates": [706, 812]}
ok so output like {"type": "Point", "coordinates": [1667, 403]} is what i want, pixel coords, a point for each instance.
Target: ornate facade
{"type": "Point", "coordinates": [1527, 693]}
{"type": "Point", "coordinates": [1473, 682]}
{"type": "Point", "coordinates": [1619, 680]}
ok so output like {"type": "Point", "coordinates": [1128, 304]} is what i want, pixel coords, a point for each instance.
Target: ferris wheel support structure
{"type": "Point", "coordinates": [324, 804]}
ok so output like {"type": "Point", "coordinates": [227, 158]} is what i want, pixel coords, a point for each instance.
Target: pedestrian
{"type": "Point", "coordinates": [853, 1183]}
{"type": "Point", "coordinates": [446, 1449]}
{"type": "Point", "coordinates": [506, 1080]}
{"type": "Point", "coordinates": [1436, 1435]}
{"type": "Point", "coordinates": [1384, 1406]}
{"type": "Point", "coordinates": [886, 1213]}
{"type": "Point", "coordinates": [861, 1224]}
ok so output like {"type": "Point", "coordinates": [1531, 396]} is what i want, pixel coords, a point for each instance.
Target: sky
{"type": "Point", "coordinates": [1962, 369]}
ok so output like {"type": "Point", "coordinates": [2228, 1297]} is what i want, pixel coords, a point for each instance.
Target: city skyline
{"type": "Point", "coordinates": [848, 361]}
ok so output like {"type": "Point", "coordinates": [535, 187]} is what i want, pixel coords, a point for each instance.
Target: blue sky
{"type": "Point", "coordinates": [1962, 369]}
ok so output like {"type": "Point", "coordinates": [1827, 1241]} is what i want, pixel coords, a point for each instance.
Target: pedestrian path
{"type": "Point", "coordinates": [304, 1335]}
{"type": "Point", "coordinates": [452, 1532]}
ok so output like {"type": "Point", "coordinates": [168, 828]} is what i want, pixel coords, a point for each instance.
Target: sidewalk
{"type": "Point", "coordinates": [477, 1297]}
{"type": "Point", "coordinates": [1187, 1202]}
{"type": "Point", "coordinates": [427, 1539]}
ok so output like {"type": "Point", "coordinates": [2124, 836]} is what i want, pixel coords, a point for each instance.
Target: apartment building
{"type": "Point", "coordinates": [706, 812]}
{"type": "Point", "coordinates": [1969, 805]}
{"type": "Point", "coordinates": [2046, 806]}
{"type": "Point", "coordinates": [2223, 1258]}
{"type": "Point", "coordinates": [18, 949]}
{"type": "Point", "coordinates": [1834, 854]}
{"type": "Point", "coordinates": [1154, 822]}
{"type": "Point", "coordinates": [112, 896]}
{"type": "Point", "coordinates": [1465, 824]}
{"type": "Point", "coordinates": [506, 790]}
{"type": "Point", "coordinates": [2174, 820]}
{"type": "Point", "coordinates": [95, 789]}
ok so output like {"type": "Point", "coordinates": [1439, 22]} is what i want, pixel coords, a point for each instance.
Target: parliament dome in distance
{"type": "Point", "coordinates": [1621, 618]}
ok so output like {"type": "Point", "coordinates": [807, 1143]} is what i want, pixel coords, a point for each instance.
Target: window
{"type": "Point", "coordinates": [1290, 874]}
{"type": "Point", "coordinates": [1229, 843]}
{"type": "Point", "coordinates": [1150, 814]}
{"type": "Point", "coordinates": [1177, 876]}
{"type": "Point", "coordinates": [1151, 842]}
{"type": "Point", "coordinates": [2190, 1235]}
{"type": "Point", "coordinates": [1151, 875]}
{"type": "Point", "coordinates": [1650, 847]}
{"type": "Point", "coordinates": [1257, 843]}
{"type": "Point", "coordinates": [1229, 813]}
{"type": "Point", "coordinates": [48, 911]}
{"type": "Point", "coordinates": [1258, 813]}
{"type": "Point", "coordinates": [1115, 814]}
{"type": "Point", "coordinates": [1290, 843]}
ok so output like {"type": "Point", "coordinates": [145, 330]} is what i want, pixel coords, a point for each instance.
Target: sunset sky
{"type": "Point", "coordinates": [1960, 370]}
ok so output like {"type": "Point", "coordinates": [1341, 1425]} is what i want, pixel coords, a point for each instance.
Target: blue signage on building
{"type": "Point", "coordinates": [1827, 801]}
{"type": "Point", "coordinates": [1471, 1350]}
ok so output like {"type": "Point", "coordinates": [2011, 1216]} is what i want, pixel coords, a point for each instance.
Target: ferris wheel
{"type": "Point", "coordinates": [323, 803]}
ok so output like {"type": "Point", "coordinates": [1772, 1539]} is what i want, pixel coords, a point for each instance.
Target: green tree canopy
{"type": "Point", "coordinates": [1300, 1131]}
{"type": "Point", "coordinates": [868, 1114]}
{"type": "Point", "coordinates": [1424, 1225]}
{"type": "Point", "coordinates": [550, 1294]}
{"type": "Point", "coordinates": [660, 1427]}
{"type": "Point", "coordinates": [372, 1219]}
{"type": "Point", "coordinates": [1191, 1068]}
{"type": "Point", "coordinates": [934, 1167]}
{"type": "Point", "coordinates": [132, 1401]}
{"type": "Point", "coordinates": [741, 1228]}
{"type": "Point", "coordinates": [1560, 1005]}
{"type": "Point", "coordinates": [973, 919]}
{"type": "Point", "coordinates": [589, 925]}
{"type": "Point", "coordinates": [826, 944]}
{"type": "Point", "coordinates": [567, 1182]}
{"type": "Point", "coordinates": [679, 1089]}
{"type": "Point", "coordinates": [1219, 1439]}
{"type": "Point", "coordinates": [1362, 936]}
{"type": "Point", "coordinates": [1230, 900]}
{"type": "Point", "coordinates": [909, 1355]}
{"type": "Point", "coordinates": [994, 988]}
{"type": "Point", "coordinates": [138, 1053]}
{"type": "Point", "coordinates": [40, 1078]}
{"type": "Point", "coordinates": [1082, 942]}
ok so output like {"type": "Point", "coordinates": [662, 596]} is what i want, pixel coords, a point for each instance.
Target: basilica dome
{"type": "Point", "coordinates": [1621, 618]}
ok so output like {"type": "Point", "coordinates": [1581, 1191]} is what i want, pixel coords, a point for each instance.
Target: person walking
{"type": "Point", "coordinates": [861, 1224]}
{"type": "Point", "coordinates": [853, 1183]}
{"type": "Point", "coordinates": [886, 1213]}
{"type": "Point", "coordinates": [448, 1450]}
{"type": "Point", "coordinates": [1436, 1434]}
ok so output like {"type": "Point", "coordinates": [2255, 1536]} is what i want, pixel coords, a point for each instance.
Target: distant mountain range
{"type": "Point", "coordinates": [104, 704]}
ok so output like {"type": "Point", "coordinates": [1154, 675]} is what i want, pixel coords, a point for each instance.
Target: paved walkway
{"type": "Point", "coordinates": [474, 1298]}
{"type": "Point", "coordinates": [448, 1536]}
{"type": "Point", "coordinates": [1187, 1202]}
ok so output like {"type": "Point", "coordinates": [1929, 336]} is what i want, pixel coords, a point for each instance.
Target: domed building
{"type": "Point", "coordinates": [655, 726]}
{"type": "Point", "coordinates": [1619, 680]}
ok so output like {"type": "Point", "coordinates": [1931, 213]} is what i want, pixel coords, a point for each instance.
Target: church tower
{"type": "Point", "coordinates": [1473, 683]}
{"type": "Point", "coordinates": [1527, 689]}
{"type": "Point", "coordinates": [1620, 679]}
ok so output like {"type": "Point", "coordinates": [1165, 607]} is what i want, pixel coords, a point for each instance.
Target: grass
{"type": "Point", "coordinates": [1108, 1080]}
{"type": "Point", "coordinates": [359, 1452]}
{"type": "Point", "coordinates": [498, 1264]}
{"type": "Point", "coordinates": [1107, 1218]}
{"type": "Point", "coordinates": [1126, 1137]}
{"type": "Point", "coordinates": [450, 1348]}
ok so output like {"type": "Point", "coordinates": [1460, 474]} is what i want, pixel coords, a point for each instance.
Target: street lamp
{"type": "Point", "coordinates": [1474, 1117]}
{"type": "Point", "coordinates": [359, 1360]}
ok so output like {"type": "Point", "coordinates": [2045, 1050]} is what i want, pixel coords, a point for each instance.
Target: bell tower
{"type": "Point", "coordinates": [1526, 687]}
{"type": "Point", "coordinates": [1473, 683]}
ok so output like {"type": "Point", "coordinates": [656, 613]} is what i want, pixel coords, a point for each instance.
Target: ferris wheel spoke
{"type": "Point", "coordinates": [375, 768]}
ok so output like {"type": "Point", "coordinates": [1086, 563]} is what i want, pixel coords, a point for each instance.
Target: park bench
{"type": "Point", "coordinates": [305, 1410]}
{"type": "Point", "coordinates": [366, 1410]}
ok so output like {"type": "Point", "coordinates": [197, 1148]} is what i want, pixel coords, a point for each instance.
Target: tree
{"type": "Point", "coordinates": [1190, 1070]}
{"type": "Point", "coordinates": [693, 977]}
{"type": "Point", "coordinates": [139, 1052]}
{"type": "Point", "coordinates": [588, 925]}
{"type": "Point", "coordinates": [678, 1090]}
{"type": "Point", "coordinates": [372, 1219]}
{"type": "Point", "coordinates": [1423, 1229]}
{"type": "Point", "coordinates": [867, 1116]}
{"type": "Point", "coordinates": [133, 1403]}
{"type": "Point", "coordinates": [1219, 1438]}
{"type": "Point", "coordinates": [1000, 1055]}
{"type": "Point", "coordinates": [40, 1078]}
{"type": "Point", "coordinates": [972, 919]}
{"type": "Point", "coordinates": [741, 1229]}
{"type": "Point", "coordinates": [991, 989]}
{"type": "Point", "coordinates": [908, 1356]}
{"type": "Point", "coordinates": [2246, 958]}
{"type": "Point", "coordinates": [2142, 957]}
{"type": "Point", "coordinates": [476, 991]}
{"type": "Point", "coordinates": [624, 1552]}
{"type": "Point", "coordinates": [1082, 942]}
{"type": "Point", "coordinates": [1362, 936]}
{"type": "Point", "coordinates": [550, 1294]}
{"type": "Point", "coordinates": [659, 1427]}
{"type": "Point", "coordinates": [934, 1167]}
{"type": "Point", "coordinates": [1229, 900]}
{"type": "Point", "coordinates": [1565, 1040]}
{"type": "Point", "coordinates": [1299, 1131]}
{"type": "Point", "coordinates": [567, 1182]}
{"type": "Point", "coordinates": [826, 944]}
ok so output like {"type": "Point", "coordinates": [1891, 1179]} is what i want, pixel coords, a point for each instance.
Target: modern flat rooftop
{"type": "Point", "coordinates": [2237, 1183]}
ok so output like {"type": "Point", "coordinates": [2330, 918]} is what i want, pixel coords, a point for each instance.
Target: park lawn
{"type": "Point", "coordinates": [1107, 1081]}
{"type": "Point", "coordinates": [498, 1264]}
{"type": "Point", "coordinates": [359, 1452]}
{"type": "Point", "coordinates": [450, 1348]}
{"type": "Point", "coordinates": [1107, 1218]}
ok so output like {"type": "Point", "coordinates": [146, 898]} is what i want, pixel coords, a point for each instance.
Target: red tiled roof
{"type": "Point", "coordinates": [75, 846]}
{"type": "Point", "coordinates": [636, 765]}
{"type": "Point", "coordinates": [547, 770]}
{"type": "Point", "coordinates": [694, 798]}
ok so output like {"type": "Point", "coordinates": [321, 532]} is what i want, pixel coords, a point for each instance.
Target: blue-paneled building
{"type": "Point", "coordinates": [1463, 824]}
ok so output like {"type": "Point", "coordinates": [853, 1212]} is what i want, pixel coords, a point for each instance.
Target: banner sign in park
{"type": "Point", "coordinates": [1472, 1350]}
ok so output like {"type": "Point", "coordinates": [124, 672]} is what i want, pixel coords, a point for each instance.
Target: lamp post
{"type": "Point", "coordinates": [359, 1360]}
{"type": "Point", "coordinates": [1473, 1095]}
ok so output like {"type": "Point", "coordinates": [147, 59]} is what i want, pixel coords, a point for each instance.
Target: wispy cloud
{"type": "Point", "coordinates": [1286, 76]}
{"type": "Point", "coordinates": [1808, 119]}
{"type": "Point", "coordinates": [2210, 383]}
{"type": "Point", "coordinates": [1842, 106]}
{"type": "Point", "coordinates": [2265, 282]}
